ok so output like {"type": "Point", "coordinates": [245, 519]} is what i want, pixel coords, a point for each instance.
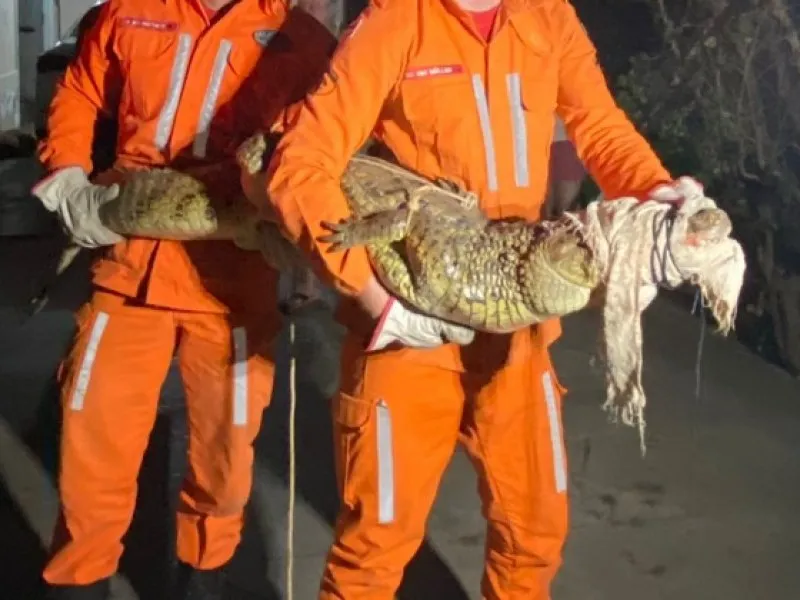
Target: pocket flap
{"type": "Point", "coordinates": [352, 412]}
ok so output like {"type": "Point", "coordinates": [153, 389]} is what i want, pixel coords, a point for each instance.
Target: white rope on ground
{"type": "Point", "coordinates": [330, 14]}
{"type": "Point", "coordinates": [292, 462]}
{"type": "Point", "coordinates": [292, 449]}
{"type": "Point", "coordinates": [698, 308]}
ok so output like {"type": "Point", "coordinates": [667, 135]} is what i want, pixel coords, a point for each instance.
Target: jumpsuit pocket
{"type": "Point", "coordinates": [537, 92]}
{"type": "Point", "coordinates": [539, 89]}
{"type": "Point", "coordinates": [560, 388]}
{"type": "Point", "coordinates": [365, 453]}
{"type": "Point", "coordinates": [136, 44]}
{"type": "Point", "coordinates": [350, 412]}
{"type": "Point", "coordinates": [242, 60]}
{"type": "Point", "coordinates": [426, 104]}
{"type": "Point", "coordinates": [152, 65]}
{"type": "Point", "coordinates": [441, 133]}
{"type": "Point", "coordinates": [539, 76]}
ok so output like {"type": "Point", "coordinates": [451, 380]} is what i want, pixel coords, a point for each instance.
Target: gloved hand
{"type": "Point", "coordinates": [677, 192]}
{"type": "Point", "coordinates": [413, 329]}
{"type": "Point", "coordinates": [77, 202]}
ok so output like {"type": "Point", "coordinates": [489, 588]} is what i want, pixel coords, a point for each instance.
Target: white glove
{"type": "Point", "coordinates": [77, 202]}
{"type": "Point", "coordinates": [678, 191]}
{"type": "Point", "coordinates": [413, 329]}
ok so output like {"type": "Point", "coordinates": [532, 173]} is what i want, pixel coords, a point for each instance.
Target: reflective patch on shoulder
{"type": "Point", "coordinates": [263, 36]}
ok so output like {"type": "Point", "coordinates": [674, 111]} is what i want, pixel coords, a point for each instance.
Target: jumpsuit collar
{"type": "Point", "coordinates": [515, 12]}
{"type": "Point", "coordinates": [263, 4]}
{"type": "Point", "coordinates": [526, 25]}
{"type": "Point", "coordinates": [466, 19]}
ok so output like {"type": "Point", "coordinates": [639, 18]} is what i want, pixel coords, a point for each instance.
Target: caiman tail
{"type": "Point", "coordinates": [65, 260]}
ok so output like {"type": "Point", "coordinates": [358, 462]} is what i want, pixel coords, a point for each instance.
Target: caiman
{"type": "Point", "coordinates": [429, 243]}
{"type": "Point", "coordinates": [431, 246]}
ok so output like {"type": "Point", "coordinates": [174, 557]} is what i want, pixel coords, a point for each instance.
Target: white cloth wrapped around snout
{"type": "Point", "coordinates": [640, 246]}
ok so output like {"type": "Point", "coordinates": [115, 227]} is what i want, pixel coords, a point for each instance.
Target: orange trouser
{"type": "Point", "coordinates": [111, 381]}
{"type": "Point", "coordinates": [396, 425]}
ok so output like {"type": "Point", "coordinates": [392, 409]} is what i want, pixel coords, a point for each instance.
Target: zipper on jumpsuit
{"type": "Point", "coordinates": [486, 122]}
{"type": "Point", "coordinates": [480, 92]}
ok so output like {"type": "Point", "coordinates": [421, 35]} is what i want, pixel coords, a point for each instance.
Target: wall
{"type": "Point", "coordinates": [9, 65]}
{"type": "Point", "coordinates": [70, 11]}
{"type": "Point", "coordinates": [42, 23]}
{"type": "Point", "coordinates": [30, 45]}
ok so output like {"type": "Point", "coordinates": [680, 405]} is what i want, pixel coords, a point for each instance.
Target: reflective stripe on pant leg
{"type": "Point", "coordinates": [89, 356]}
{"type": "Point", "coordinates": [239, 382]}
{"type": "Point", "coordinates": [110, 383]}
{"type": "Point", "coordinates": [519, 130]}
{"type": "Point", "coordinates": [420, 410]}
{"type": "Point", "coordinates": [385, 463]}
{"type": "Point", "coordinates": [486, 130]}
{"type": "Point", "coordinates": [210, 100]}
{"type": "Point", "coordinates": [177, 77]}
{"type": "Point", "coordinates": [228, 383]}
{"type": "Point", "coordinates": [509, 436]}
{"type": "Point", "coordinates": [556, 438]}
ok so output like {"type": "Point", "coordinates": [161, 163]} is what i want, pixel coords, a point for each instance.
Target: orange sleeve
{"type": "Point", "coordinates": [332, 124]}
{"type": "Point", "coordinates": [89, 85]}
{"type": "Point", "coordinates": [617, 156]}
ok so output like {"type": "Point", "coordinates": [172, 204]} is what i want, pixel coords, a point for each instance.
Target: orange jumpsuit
{"type": "Point", "coordinates": [417, 76]}
{"type": "Point", "coordinates": [186, 91]}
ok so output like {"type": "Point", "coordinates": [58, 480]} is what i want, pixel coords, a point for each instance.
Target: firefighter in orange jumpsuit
{"type": "Point", "coordinates": [465, 90]}
{"type": "Point", "coordinates": [188, 81]}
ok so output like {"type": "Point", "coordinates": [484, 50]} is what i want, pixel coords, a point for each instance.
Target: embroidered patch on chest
{"type": "Point", "coordinates": [433, 71]}
{"type": "Point", "coordinates": [149, 24]}
{"type": "Point", "coordinates": [263, 36]}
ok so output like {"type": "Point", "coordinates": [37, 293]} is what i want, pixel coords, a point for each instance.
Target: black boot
{"type": "Point", "coordinates": [99, 590]}
{"type": "Point", "coordinates": [194, 584]}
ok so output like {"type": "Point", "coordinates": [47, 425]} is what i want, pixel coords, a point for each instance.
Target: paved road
{"type": "Point", "coordinates": [709, 514]}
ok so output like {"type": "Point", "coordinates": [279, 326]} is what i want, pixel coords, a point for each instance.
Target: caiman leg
{"type": "Point", "coordinates": [40, 300]}
{"type": "Point", "coordinates": [378, 228]}
{"type": "Point", "coordinates": [250, 157]}
{"type": "Point", "coordinates": [250, 154]}
{"type": "Point", "coordinates": [382, 227]}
